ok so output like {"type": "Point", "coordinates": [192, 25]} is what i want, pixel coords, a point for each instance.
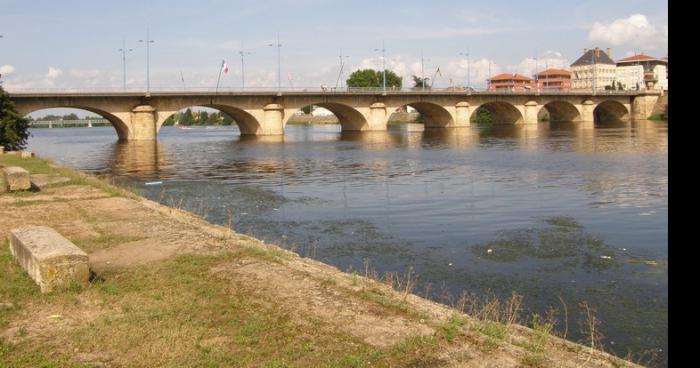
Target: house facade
{"type": "Point", "coordinates": [594, 70]}
{"type": "Point", "coordinates": [642, 72]}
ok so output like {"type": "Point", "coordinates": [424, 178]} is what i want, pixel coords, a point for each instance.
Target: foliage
{"type": "Point", "coordinates": [483, 116]}
{"type": "Point", "coordinates": [14, 129]}
{"type": "Point", "coordinates": [373, 78]}
{"type": "Point", "coordinates": [419, 82]}
{"type": "Point", "coordinates": [307, 109]}
{"type": "Point", "coordinates": [190, 117]}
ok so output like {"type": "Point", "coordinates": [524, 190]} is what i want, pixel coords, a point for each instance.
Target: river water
{"type": "Point", "coordinates": [560, 214]}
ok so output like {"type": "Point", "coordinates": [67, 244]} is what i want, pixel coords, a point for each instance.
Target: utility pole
{"type": "Point", "coordinates": [148, 41]}
{"type": "Point", "coordinates": [279, 63]}
{"type": "Point", "coordinates": [340, 73]}
{"type": "Point", "coordinates": [243, 53]}
{"type": "Point", "coordinates": [383, 68]}
{"type": "Point", "coordinates": [468, 73]}
{"type": "Point", "coordinates": [124, 50]}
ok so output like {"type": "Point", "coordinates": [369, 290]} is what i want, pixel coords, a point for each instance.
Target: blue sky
{"type": "Point", "coordinates": [60, 44]}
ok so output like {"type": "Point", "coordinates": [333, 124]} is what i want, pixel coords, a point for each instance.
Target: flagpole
{"type": "Point", "coordinates": [219, 78]}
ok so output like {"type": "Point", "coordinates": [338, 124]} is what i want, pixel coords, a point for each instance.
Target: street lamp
{"type": "Point", "coordinates": [468, 73]}
{"type": "Point", "coordinates": [342, 65]}
{"type": "Point", "coordinates": [243, 53]}
{"type": "Point", "coordinates": [279, 63]}
{"type": "Point", "coordinates": [124, 50]}
{"type": "Point", "coordinates": [422, 69]}
{"type": "Point", "coordinates": [383, 67]}
{"type": "Point", "coordinates": [148, 41]}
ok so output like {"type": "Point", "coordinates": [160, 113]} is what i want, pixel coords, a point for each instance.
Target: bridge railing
{"type": "Point", "coordinates": [315, 90]}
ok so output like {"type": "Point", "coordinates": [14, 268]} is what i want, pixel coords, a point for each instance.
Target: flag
{"type": "Point", "coordinates": [224, 67]}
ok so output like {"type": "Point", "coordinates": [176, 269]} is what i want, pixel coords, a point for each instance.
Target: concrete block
{"type": "Point", "coordinates": [54, 262]}
{"type": "Point", "coordinates": [26, 154]}
{"type": "Point", "coordinates": [16, 178]}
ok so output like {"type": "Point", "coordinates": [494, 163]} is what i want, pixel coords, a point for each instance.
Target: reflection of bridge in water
{"type": "Point", "coordinates": [139, 116]}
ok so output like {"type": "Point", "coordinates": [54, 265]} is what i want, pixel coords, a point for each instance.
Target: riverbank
{"type": "Point", "coordinates": [172, 289]}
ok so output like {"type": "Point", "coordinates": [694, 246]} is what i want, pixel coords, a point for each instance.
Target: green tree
{"type": "Point", "coordinates": [373, 78]}
{"type": "Point", "coordinates": [14, 129]}
{"type": "Point", "coordinates": [483, 117]}
{"type": "Point", "coordinates": [307, 109]}
{"type": "Point", "coordinates": [187, 118]}
{"type": "Point", "coordinates": [419, 82]}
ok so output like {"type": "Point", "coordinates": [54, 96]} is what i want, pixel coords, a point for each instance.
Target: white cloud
{"type": "Point", "coordinates": [635, 31]}
{"type": "Point", "coordinates": [53, 73]}
{"type": "Point", "coordinates": [547, 60]}
{"type": "Point", "coordinates": [7, 69]}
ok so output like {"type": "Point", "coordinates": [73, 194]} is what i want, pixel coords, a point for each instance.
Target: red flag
{"type": "Point", "coordinates": [224, 67]}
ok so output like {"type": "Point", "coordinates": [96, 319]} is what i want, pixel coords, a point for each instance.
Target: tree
{"type": "Point", "coordinates": [419, 82]}
{"type": "Point", "coordinates": [14, 129]}
{"type": "Point", "coordinates": [307, 109]}
{"type": "Point", "coordinates": [483, 116]}
{"type": "Point", "coordinates": [373, 78]}
{"type": "Point", "coordinates": [187, 118]}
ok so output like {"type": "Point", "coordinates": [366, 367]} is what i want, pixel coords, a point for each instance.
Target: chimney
{"type": "Point", "coordinates": [609, 52]}
{"type": "Point", "coordinates": [597, 52]}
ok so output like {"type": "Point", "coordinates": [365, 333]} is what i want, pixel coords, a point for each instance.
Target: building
{"type": "Point", "coordinates": [593, 70]}
{"type": "Point", "coordinates": [643, 72]}
{"type": "Point", "coordinates": [553, 80]}
{"type": "Point", "coordinates": [511, 82]}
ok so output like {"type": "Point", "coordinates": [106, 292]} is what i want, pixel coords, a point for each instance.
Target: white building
{"type": "Point", "coordinates": [643, 72]}
{"type": "Point", "coordinates": [593, 70]}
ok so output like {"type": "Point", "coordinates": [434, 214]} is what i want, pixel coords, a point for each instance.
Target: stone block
{"type": "Point", "coordinates": [26, 154]}
{"type": "Point", "coordinates": [16, 178]}
{"type": "Point", "coordinates": [54, 262]}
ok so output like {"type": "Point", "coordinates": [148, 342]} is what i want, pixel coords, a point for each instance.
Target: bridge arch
{"type": "Point", "coordinates": [246, 122]}
{"type": "Point", "coordinates": [501, 112]}
{"type": "Point", "coordinates": [117, 123]}
{"type": "Point", "coordinates": [433, 115]}
{"type": "Point", "coordinates": [561, 111]}
{"type": "Point", "coordinates": [350, 119]}
{"type": "Point", "coordinates": [610, 111]}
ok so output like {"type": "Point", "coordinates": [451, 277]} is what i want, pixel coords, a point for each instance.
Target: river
{"type": "Point", "coordinates": [560, 214]}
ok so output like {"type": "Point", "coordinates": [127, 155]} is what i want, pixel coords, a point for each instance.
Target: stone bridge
{"type": "Point", "coordinates": [139, 116]}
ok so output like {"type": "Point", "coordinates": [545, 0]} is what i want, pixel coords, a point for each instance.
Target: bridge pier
{"type": "Point", "coordinates": [378, 117]}
{"type": "Point", "coordinates": [530, 111]}
{"type": "Point", "coordinates": [143, 124]}
{"type": "Point", "coordinates": [462, 114]}
{"type": "Point", "coordinates": [272, 122]}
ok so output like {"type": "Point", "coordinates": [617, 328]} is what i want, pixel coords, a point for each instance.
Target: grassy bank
{"type": "Point", "coordinates": [172, 290]}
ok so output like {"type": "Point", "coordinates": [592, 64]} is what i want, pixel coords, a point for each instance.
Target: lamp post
{"type": "Point", "coordinates": [148, 41]}
{"type": "Point", "coordinates": [243, 53]}
{"type": "Point", "coordinates": [279, 63]}
{"type": "Point", "coordinates": [124, 50]}
{"type": "Point", "coordinates": [383, 68]}
{"type": "Point", "coordinates": [422, 70]}
{"type": "Point", "coordinates": [468, 72]}
{"type": "Point", "coordinates": [342, 65]}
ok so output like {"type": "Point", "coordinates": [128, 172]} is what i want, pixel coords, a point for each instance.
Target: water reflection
{"type": "Point", "coordinates": [144, 160]}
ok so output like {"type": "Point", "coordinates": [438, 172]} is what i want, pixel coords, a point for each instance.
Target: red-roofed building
{"type": "Point", "coordinates": [642, 72]}
{"type": "Point", "coordinates": [553, 80]}
{"type": "Point", "coordinates": [512, 82]}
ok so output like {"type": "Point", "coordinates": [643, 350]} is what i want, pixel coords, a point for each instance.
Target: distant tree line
{"type": "Point", "coordinates": [189, 117]}
{"type": "Point", "coordinates": [56, 117]}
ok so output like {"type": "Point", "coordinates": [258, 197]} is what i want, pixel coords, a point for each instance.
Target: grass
{"type": "Point", "coordinates": [36, 165]}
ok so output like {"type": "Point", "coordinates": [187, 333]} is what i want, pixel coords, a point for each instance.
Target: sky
{"type": "Point", "coordinates": [75, 44]}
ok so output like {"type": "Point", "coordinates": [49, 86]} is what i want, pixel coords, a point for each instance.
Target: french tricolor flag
{"type": "Point", "coordinates": [224, 67]}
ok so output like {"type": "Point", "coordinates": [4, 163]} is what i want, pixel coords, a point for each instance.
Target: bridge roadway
{"type": "Point", "coordinates": [139, 115]}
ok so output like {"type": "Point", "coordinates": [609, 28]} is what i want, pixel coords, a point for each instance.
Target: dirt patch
{"type": "Point", "coordinates": [372, 323]}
